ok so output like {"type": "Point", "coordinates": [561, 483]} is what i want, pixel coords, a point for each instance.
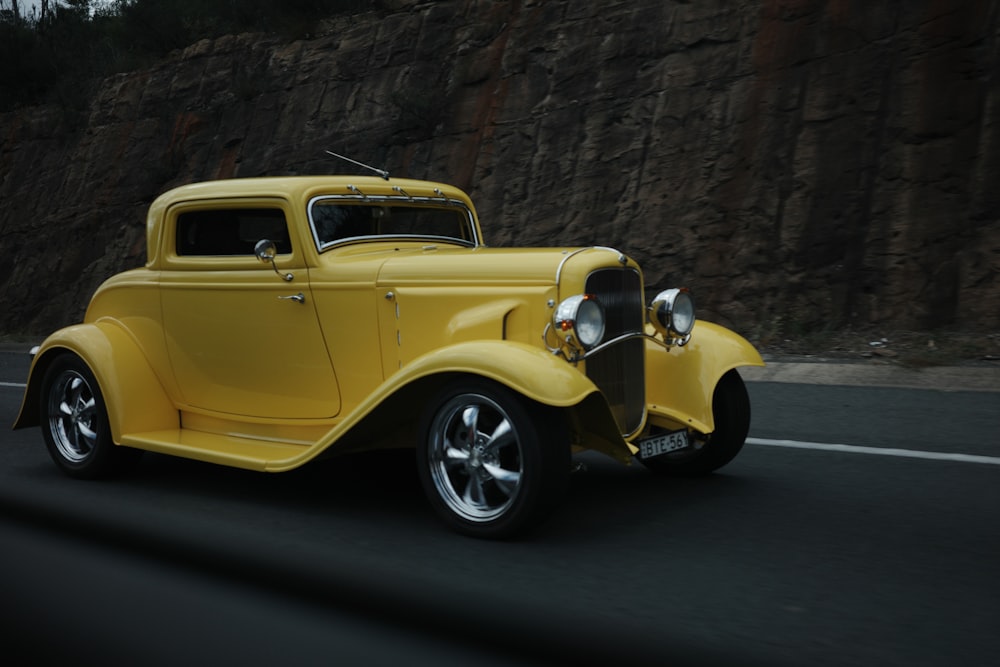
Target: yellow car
{"type": "Point", "coordinates": [281, 319]}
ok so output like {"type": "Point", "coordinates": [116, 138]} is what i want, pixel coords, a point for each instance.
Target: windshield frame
{"type": "Point", "coordinates": [440, 202]}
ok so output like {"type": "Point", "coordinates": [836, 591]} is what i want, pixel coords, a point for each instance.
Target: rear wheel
{"type": "Point", "coordinates": [731, 411]}
{"type": "Point", "coordinates": [75, 422]}
{"type": "Point", "coordinates": [492, 463]}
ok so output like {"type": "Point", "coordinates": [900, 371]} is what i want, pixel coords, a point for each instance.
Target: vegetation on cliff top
{"type": "Point", "coordinates": [49, 49]}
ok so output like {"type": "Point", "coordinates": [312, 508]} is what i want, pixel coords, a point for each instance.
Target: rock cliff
{"type": "Point", "coordinates": [801, 164]}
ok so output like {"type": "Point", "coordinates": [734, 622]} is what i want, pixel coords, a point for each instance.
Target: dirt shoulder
{"type": "Point", "coordinates": [970, 377]}
{"type": "Point", "coordinates": [908, 349]}
{"type": "Point", "coordinates": [945, 361]}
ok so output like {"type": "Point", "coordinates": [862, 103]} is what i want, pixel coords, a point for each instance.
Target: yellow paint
{"type": "Point", "coordinates": [680, 381]}
{"type": "Point", "coordinates": [134, 395]}
{"type": "Point", "coordinates": [206, 357]}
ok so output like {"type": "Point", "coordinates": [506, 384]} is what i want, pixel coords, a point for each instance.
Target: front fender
{"type": "Point", "coordinates": [134, 397]}
{"type": "Point", "coordinates": [530, 371]}
{"type": "Point", "coordinates": [680, 381]}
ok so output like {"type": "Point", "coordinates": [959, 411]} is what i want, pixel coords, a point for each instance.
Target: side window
{"type": "Point", "coordinates": [230, 231]}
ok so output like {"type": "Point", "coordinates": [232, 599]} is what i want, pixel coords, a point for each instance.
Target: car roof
{"type": "Point", "coordinates": [292, 189]}
{"type": "Point", "coordinates": [299, 186]}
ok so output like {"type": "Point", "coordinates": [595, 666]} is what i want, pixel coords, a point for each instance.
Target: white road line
{"type": "Point", "coordinates": [13, 384]}
{"type": "Point", "coordinates": [878, 451]}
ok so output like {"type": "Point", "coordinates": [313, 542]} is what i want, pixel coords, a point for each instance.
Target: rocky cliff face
{"type": "Point", "coordinates": [798, 163]}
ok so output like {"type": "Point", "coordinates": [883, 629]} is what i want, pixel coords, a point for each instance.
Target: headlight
{"type": "Point", "coordinates": [672, 313]}
{"type": "Point", "coordinates": [579, 321]}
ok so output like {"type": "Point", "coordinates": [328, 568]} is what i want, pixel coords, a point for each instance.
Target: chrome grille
{"type": "Point", "coordinates": [619, 371]}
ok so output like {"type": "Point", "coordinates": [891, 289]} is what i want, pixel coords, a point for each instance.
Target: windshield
{"type": "Point", "coordinates": [335, 221]}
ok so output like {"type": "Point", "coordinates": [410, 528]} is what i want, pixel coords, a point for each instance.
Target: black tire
{"type": "Point", "coordinates": [75, 425]}
{"type": "Point", "coordinates": [492, 463]}
{"type": "Point", "coordinates": [731, 411]}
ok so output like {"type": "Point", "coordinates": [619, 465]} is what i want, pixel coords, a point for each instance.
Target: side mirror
{"type": "Point", "coordinates": [265, 250]}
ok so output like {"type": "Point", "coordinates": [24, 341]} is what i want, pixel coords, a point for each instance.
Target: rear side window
{"type": "Point", "coordinates": [230, 231]}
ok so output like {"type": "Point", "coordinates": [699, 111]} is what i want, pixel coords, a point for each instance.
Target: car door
{"type": "Point", "coordinates": [241, 339]}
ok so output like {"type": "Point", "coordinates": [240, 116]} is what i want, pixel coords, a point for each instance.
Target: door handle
{"type": "Point", "coordinates": [298, 298]}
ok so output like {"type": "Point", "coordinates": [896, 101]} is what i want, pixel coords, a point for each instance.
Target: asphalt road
{"type": "Point", "coordinates": [794, 554]}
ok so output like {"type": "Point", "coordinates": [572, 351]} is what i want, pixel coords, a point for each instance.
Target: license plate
{"type": "Point", "coordinates": [663, 443]}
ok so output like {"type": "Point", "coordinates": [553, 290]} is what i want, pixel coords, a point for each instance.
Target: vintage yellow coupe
{"type": "Point", "coordinates": [277, 320]}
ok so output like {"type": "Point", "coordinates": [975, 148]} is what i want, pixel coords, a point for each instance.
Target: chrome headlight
{"type": "Point", "coordinates": [672, 313]}
{"type": "Point", "coordinates": [579, 321]}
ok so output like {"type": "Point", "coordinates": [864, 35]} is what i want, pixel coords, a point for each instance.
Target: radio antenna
{"type": "Point", "coordinates": [381, 172]}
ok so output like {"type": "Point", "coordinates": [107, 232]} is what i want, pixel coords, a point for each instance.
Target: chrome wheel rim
{"type": "Point", "coordinates": [475, 457]}
{"type": "Point", "coordinates": [73, 416]}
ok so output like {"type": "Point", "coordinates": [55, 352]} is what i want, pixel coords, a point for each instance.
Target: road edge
{"type": "Point", "coordinates": [981, 378]}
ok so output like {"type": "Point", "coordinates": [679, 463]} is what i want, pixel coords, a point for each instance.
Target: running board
{"type": "Point", "coordinates": [230, 450]}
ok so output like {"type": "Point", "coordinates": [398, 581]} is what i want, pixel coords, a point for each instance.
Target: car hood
{"type": "Point", "coordinates": [508, 266]}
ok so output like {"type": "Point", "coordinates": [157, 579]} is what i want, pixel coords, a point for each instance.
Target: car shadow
{"type": "Point", "coordinates": [612, 498]}
{"type": "Point", "coordinates": [381, 488]}
{"type": "Point", "coordinates": [384, 479]}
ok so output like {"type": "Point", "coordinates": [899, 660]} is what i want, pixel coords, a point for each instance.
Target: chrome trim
{"type": "Point", "coordinates": [666, 344]}
{"type": "Point", "coordinates": [560, 316]}
{"type": "Point", "coordinates": [666, 301]}
{"type": "Point", "coordinates": [297, 298]}
{"type": "Point", "coordinates": [575, 358]}
{"type": "Point", "coordinates": [618, 339]}
{"type": "Point", "coordinates": [566, 259]}
{"type": "Point", "coordinates": [622, 259]}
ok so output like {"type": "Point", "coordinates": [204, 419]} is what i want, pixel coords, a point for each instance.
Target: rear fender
{"type": "Point", "coordinates": [135, 399]}
{"type": "Point", "coordinates": [680, 381]}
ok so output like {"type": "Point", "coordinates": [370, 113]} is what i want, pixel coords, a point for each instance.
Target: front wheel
{"type": "Point", "coordinates": [731, 412]}
{"type": "Point", "coordinates": [75, 422]}
{"type": "Point", "coordinates": [492, 463]}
